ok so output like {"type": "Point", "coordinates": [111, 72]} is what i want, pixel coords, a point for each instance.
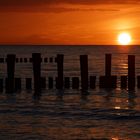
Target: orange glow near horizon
{"type": "Point", "coordinates": [71, 24]}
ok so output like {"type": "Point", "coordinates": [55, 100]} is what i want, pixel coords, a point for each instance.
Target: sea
{"type": "Point", "coordinates": [100, 114]}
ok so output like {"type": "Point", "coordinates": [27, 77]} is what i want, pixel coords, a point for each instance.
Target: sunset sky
{"type": "Point", "coordinates": [68, 21]}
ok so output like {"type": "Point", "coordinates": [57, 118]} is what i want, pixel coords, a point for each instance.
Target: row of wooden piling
{"type": "Point", "coordinates": [106, 81]}
{"type": "Point", "coordinates": [69, 83]}
{"type": "Point", "coordinates": [29, 60]}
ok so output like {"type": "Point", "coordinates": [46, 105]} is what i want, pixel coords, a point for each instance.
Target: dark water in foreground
{"type": "Point", "coordinates": [68, 114]}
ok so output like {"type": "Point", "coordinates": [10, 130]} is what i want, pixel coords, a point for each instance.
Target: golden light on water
{"type": "Point", "coordinates": [124, 39]}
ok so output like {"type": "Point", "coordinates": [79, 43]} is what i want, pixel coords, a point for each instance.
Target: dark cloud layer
{"type": "Point", "coordinates": [47, 2]}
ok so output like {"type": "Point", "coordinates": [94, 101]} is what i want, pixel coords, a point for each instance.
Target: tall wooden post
{"type": "Point", "coordinates": [11, 58]}
{"type": "Point", "coordinates": [108, 64]}
{"type": "Point", "coordinates": [60, 61]}
{"type": "Point", "coordinates": [131, 72]}
{"type": "Point", "coordinates": [84, 71]}
{"type": "Point", "coordinates": [36, 60]}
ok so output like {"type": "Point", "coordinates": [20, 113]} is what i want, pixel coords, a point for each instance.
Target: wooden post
{"type": "Point", "coordinates": [123, 82]}
{"type": "Point", "coordinates": [10, 73]}
{"type": "Point", "coordinates": [92, 82]}
{"type": "Point", "coordinates": [50, 82]}
{"type": "Point", "coordinates": [43, 82]}
{"type": "Point", "coordinates": [108, 65]}
{"type": "Point", "coordinates": [60, 61]}
{"type": "Point", "coordinates": [84, 71]}
{"type": "Point", "coordinates": [138, 81]}
{"type": "Point", "coordinates": [46, 60]}
{"type": "Point", "coordinates": [17, 84]}
{"type": "Point", "coordinates": [28, 83]}
{"type": "Point", "coordinates": [51, 59]}
{"type": "Point", "coordinates": [131, 72]}
{"type": "Point", "coordinates": [17, 60]}
{"type": "Point", "coordinates": [1, 60]}
{"type": "Point", "coordinates": [67, 82]}
{"type": "Point", "coordinates": [25, 60]}
{"type": "Point", "coordinates": [21, 60]}
{"type": "Point", "coordinates": [1, 85]}
{"type": "Point", "coordinates": [36, 60]}
{"type": "Point", "coordinates": [108, 82]}
{"type": "Point", "coordinates": [75, 82]}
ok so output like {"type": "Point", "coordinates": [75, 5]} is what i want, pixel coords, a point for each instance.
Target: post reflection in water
{"type": "Point", "coordinates": [93, 114]}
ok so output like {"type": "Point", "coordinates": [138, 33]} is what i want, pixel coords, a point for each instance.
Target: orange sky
{"type": "Point", "coordinates": [68, 23]}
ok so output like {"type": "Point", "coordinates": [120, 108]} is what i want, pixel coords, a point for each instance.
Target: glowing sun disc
{"type": "Point", "coordinates": [124, 39]}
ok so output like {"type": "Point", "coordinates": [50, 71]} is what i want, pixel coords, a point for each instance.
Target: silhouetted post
{"type": "Point", "coordinates": [138, 81]}
{"type": "Point", "coordinates": [1, 85]}
{"type": "Point", "coordinates": [108, 65]}
{"type": "Point", "coordinates": [16, 60]}
{"type": "Point", "coordinates": [28, 83]}
{"type": "Point", "coordinates": [43, 82]}
{"type": "Point", "coordinates": [60, 61]}
{"type": "Point", "coordinates": [108, 81]}
{"type": "Point", "coordinates": [51, 59]}
{"type": "Point", "coordinates": [21, 60]}
{"type": "Point", "coordinates": [131, 72]}
{"type": "Point", "coordinates": [67, 82]}
{"type": "Point", "coordinates": [17, 84]}
{"type": "Point", "coordinates": [46, 60]}
{"type": "Point", "coordinates": [123, 82]}
{"type": "Point", "coordinates": [50, 82]}
{"type": "Point", "coordinates": [1, 60]}
{"type": "Point", "coordinates": [84, 71]}
{"type": "Point", "coordinates": [36, 60]}
{"type": "Point", "coordinates": [75, 82]}
{"type": "Point", "coordinates": [92, 82]}
{"type": "Point", "coordinates": [10, 73]}
{"type": "Point", "coordinates": [25, 60]}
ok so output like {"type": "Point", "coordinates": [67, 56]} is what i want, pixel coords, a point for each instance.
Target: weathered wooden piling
{"type": "Point", "coordinates": [131, 72]}
{"type": "Point", "coordinates": [28, 83]}
{"type": "Point", "coordinates": [138, 81]}
{"type": "Point", "coordinates": [123, 82]}
{"type": "Point", "coordinates": [43, 82]}
{"type": "Point", "coordinates": [67, 82]}
{"type": "Point", "coordinates": [46, 60]}
{"type": "Point", "coordinates": [51, 59]}
{"type": "Point", "coordinates": [75, 82]}
{"type": "Point", "coordinates": [25, 60]}
{"type": "Point", "coordinates": [50, 82]}
{"type": "Point", "coordinates": [1, 60]}
{"type": "Point", "coordinates": [17, 84]}
{"type": "Point", "coordinates": [92, 83]}
{"type": "Point", "coordinates": [10, 73]}
{"type": "Point", "coordinates": [84, 71]}
{"type": "Point", "coordinates": [36, 60]}
{"type": "Point", "coordinates": [17, 60]}
{"type": "Point", "coordinates": [1, 85]}
{"type": "Point", "coordinates": [60, 61]}
{"type": "Point", "coordinates": [21, 60]}
{"type": "Point", "coordinates": [108, 81]}
{"type": "Point", "coordinates": [108, 64]}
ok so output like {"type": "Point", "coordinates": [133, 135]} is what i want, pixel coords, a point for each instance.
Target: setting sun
{"type": "Point", "coordinates": [124, 39]}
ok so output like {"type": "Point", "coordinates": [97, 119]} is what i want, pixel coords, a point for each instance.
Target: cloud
{"type": "Point", "coordinates": [56, 9]}
{"type": "Point", "coordinates": [52, 5]}
{"type": "Point", "coordinates": [48, 2]}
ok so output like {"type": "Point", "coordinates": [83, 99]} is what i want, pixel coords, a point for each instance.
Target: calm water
{"type": "Point", "coordinates": [68, 114]}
